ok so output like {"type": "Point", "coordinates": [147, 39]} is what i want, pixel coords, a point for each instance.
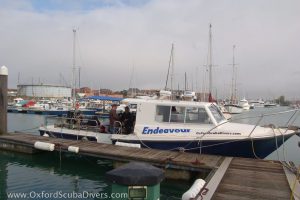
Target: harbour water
{"type": "Point", "coordinates": [49, 173]}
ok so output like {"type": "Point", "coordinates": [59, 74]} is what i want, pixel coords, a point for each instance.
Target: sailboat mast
{"type": "Point", "coordinates": [171, 66]}
{"type": "Point", "coordinates": [131, 82]}
{"type": "Point", "coordinates": [235, 78]}
{"type": "Point", "coordinates": [233, 73]}
{"type": "Point", "coordinates": [79, 77]}
{"type": "Point", "coordinates": [210, 65]}
{"type": "Point", "coordinates": [172, 69]}
{"type": "Point", "coordinates": [185, 81]}
{"type": "Point", "coordinates": [73, 69]}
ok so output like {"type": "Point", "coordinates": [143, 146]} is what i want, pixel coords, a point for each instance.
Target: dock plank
{"type": "Point", "coordinates": [253, 179]}
{"type": "Point", "coordinates": [179, 159]}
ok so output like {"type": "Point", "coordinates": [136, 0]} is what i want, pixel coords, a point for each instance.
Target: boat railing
{"type": "Point", "coordinates": [88, 124]}
{"type": "Point", "coordinates": [288, 125]}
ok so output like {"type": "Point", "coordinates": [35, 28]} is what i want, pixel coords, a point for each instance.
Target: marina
{"type": "Point", "coordinates": [214, 176]}
{"type": "Point", "coordinates": [149, 100]}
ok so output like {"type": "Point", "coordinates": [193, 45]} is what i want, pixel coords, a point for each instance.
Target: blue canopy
{"type": "Point", "coordinates": [104, 98]}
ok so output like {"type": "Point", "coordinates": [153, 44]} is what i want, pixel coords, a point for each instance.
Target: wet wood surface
{"type": "Point", "coordinates": [190, 161]}
{"type": "Point", "coordinates": [247, 179]}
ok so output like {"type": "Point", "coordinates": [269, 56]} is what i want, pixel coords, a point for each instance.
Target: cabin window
{"type": "Point", "coordinates": [163, 113]}
{"type": "Point", "coordinates": [177, 114]}
{"type": "Point", "coordinates": [197, 116]}
{"type": "Point", "coordinates": [216, 113]}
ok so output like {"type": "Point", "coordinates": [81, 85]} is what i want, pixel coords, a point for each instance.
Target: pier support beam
{"type": "Point", "coordinates": [3, 100]}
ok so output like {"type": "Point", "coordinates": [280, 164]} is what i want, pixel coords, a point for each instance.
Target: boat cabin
{"type": "Point", "coordinates": [153, 113]}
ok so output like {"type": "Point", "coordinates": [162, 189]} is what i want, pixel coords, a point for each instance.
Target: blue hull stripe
{"type": "Point", "coordinates": [261, 147]}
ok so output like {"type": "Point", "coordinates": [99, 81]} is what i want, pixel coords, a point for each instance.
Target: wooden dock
{"type": "Point", "coordinates": [229, 178]}
{"type": "Point", "coordinates": [168, 159]}
{"type": "Point", "coordinates": [247, 179]}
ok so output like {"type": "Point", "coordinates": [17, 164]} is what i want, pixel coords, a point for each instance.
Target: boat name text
{"type": "Point", "coordinates": [158, 130]}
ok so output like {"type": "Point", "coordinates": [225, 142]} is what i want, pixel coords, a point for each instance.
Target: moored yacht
{"type": "Point", "coordinates": [269, 104]}
{"type": "Point", "coordinates": [244, 104]}
{"type": "Point", "coordinates": [186, 126]}
{"type": "Point", "coordinates": [233, 108]}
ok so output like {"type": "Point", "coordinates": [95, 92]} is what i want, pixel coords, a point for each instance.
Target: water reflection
{"type": "Point", "coordinates": [22, 173]}
{"type": "Point", "coordinates": [3, 178]}
{"type": "Point", "coordinates": [45, 172]}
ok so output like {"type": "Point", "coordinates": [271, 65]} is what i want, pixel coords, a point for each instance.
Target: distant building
{"type": "Point", "coordinates": [149, 91]}
{"type": "Point", "coordinates": [85, 90]}
{"type": "Point", "coordinates": [44, 90]}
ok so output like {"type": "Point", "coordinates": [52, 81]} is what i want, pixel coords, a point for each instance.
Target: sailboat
{"type": "Point", "coordinates": [232, 107]}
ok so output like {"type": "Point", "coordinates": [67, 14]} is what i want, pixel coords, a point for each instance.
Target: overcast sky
{"type": "Point", "coordinates": [36, 40]}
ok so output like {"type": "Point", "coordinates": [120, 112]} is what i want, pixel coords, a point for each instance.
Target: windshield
{"type": "Point", "coordinates": [218, 115]}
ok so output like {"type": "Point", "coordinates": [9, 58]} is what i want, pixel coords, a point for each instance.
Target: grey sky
{"type": "Point", "coordinates": [113, 37]}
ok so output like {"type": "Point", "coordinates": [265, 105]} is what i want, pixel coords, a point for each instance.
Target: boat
{"type": "Point", "coordinates": [233, 108]}
{"type": "Point", "coordinates": [19, 107]}
{"type": "Point", "coordinates": [184, 126]}
{"type": "Point", "coordinates": [189, 95]}
{"type": "Point", "coordinates": [269, 104]}
{"type": "Point", "coordinates": [244, 104]}
{"type": "Point", "coordinates": [257, 103]}
{"type": "Point", "coordinates": [15, 101]}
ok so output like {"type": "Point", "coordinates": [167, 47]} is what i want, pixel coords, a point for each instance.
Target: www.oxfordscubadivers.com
{"type": "Point", "coordinates": [64, 195]}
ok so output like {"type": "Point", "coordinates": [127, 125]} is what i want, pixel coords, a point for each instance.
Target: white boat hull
{"type": "Point", "coordinates": [234, 109]}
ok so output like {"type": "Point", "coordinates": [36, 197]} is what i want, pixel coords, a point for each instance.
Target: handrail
{"type": "Point", "coordinates": [257, 123]}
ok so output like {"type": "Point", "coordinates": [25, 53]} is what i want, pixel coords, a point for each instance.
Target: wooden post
{"type": "Point", "coordinates": [3, 100]}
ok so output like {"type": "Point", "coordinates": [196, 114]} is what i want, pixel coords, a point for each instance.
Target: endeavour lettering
{"type": "Point", "coordinates": [158, 130]}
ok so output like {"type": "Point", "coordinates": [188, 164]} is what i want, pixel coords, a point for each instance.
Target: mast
{"type": "Point", "coordinates": [185, 82]}
{"type": "Point", "coordinates": [18, 78]}
{"type": "Point", "coordinates": [171, 66]}
{"type": "Point", "coordinates": [73, 70]}
{"type": "Point", "coordinates": [172, 69]}
{"type": "Point", "coordinates": [79, 77]}
{"type": "Point", "coordinates": [131, 82]}
{"type": "Point", "coordinates": [210, 65]}
{"type": "Point", "coordinates": [233, 81]}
